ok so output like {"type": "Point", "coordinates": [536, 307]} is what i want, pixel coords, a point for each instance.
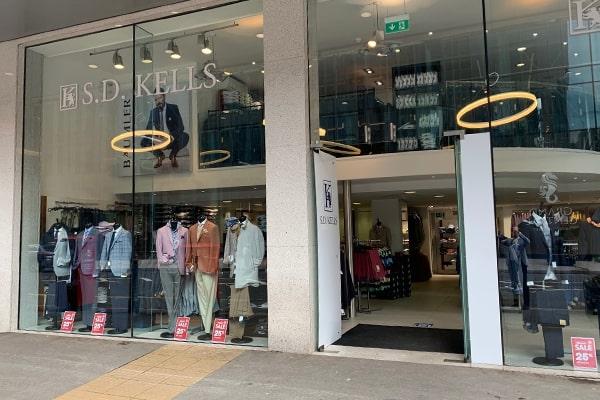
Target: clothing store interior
{"type": "Point", "coordinates": [386, 100]}
{"type": "Point", "coordinates": [148, 235]}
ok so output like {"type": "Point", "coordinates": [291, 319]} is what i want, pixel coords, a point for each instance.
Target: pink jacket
{"type": "Point", "coordinates": [164, 247]}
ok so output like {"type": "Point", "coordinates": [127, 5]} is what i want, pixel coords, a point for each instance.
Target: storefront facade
{"type": "Point", "coordinates": [146, 153]}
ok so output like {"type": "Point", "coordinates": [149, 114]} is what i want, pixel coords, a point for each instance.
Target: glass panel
{"type": "Point", "coordinates": [546, 178]}
{"type": "Point", "coordinates": [396, 90]}
{"type": "Point", "coordinates": [77, 217]}
{"type": "Point", "coordinates": [392, 81]}
{"type": "Point", "coordinates": [200, 210]}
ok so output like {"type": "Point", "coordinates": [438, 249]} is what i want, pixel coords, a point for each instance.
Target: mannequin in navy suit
{"type": "Point", "coordinates": [165, 117]}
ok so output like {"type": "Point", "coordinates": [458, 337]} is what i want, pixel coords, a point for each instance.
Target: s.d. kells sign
{"type": "Point", "coordinates": [160, 82]}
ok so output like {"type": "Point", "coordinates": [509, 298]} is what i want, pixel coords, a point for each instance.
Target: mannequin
{"type": "Point", "coordinates": [247, 257]}
{"type": "Point", "coordinates": [116, 256]}
{"type": "Point", "coordinates": [171, 242]}
{"type": "Point", "coordinates": [56, 253]}
{"type": "Point", "coordinates": [202, 258]}
{"type": "Point", "coordinates": [88, 248]}
{"type": "Point", "coordinates": [381, 234]}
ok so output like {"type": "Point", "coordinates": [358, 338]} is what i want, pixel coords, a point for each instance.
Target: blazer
{"type": "Point", "coordinates": [164, 247]}
{"type": "Point", "coordinates": [87, 254]}
{"type": "Point", "coordinates": [61, 260]}
{"type": "Point", "coordinates": [172, 117]}
{"type": "Point", "coordinates": [118, 253]}
{"type": "Point", "coordinates": [203, 254]}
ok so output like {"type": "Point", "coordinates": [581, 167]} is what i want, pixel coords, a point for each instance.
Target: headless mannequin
{"type": "Point", "coordinates": [238, 323]}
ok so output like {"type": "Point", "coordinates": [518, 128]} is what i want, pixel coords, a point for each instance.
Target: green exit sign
{"type": "Point", "coordinates": [399, 23]}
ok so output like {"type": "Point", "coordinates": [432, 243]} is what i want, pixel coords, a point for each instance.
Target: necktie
{"type": "Point", "coordinates": [110, 244]}
{"type": "Point", "coordinates": [160, 117]}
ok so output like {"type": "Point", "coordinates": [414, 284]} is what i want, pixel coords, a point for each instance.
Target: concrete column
{"type": "Point", "coordinates": [10, 183]}
{"type": "Point", "coordinates": [291, 238]}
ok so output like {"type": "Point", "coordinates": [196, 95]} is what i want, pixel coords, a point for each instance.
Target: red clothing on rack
{"type": "Point", "coordinates": [368, 266]}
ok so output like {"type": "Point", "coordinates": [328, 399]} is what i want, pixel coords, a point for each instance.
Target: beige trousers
{"type": "Point", "coordinates": [206, 285]}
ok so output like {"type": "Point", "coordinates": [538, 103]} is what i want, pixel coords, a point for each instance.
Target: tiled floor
{"type": "Point", "coordinates": [159, 375]}
{"type": "Point", "coordinates": [436, 301]}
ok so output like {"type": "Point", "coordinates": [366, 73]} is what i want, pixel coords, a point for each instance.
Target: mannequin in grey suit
{"type": "Point", "coordinates": [116, 255]}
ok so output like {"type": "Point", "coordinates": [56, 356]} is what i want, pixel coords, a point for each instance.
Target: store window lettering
{"type": "Point", "coordinates": [159, 82]}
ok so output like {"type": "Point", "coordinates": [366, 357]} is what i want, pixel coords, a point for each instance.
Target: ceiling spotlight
{"type": "Point", "coordinates": [253, 62]}
{"type": "Point", "coordinates": [118, 60]}
{"type": "Point", "coordinates": [169, 49]}
{"type": "Point", "coordinates": [227, 201]}
{"type": "Point", "coordinates": [203, 40]}
{"type": "Point", "coordinates": [260, 35]}
{"type": "Point", "coordinates": [439, 196]}
{"type": "Point", "coordinates": [565, 43]}
{"type": "Point", "coordinates": [534, 34]}
{"type": "Point", "coordinates": [145, 55]}
{"type": "Point", "coordinates": [577, 73]}
{"type": "Point", "coordinates": [410, 192]}
{"type": "Point", "coordinates": [175, 55]}
{"type": "Point", "coordinates": [372, 43]}
{"type": "Point", "coordinates": [92, 66]}
{"type": "Point", "coordinates": [356, 203]}
{"type": "Point", "coordinates": [520, 65]}
{"type": "Point", "coordinates": [575, 54]}
{"type": "Point", "coordinates": [379, 83]}
{"type": "Point", "coordinates": [227, 73]}
{"type": "Point", "coordinates": [396, 50]}
{"type": "Point", "coordinates": [262, 71]}
{"type": "Point", "coordinates": [380, 54]}
{"type": "Point", "coordinates": [521, 49]}
{"type": "Point", "coordinates": [521, 192]}
{"type": "Point", "coordinates": [430, 33]}
{"type": "Point", "coordinates": [368, 71]}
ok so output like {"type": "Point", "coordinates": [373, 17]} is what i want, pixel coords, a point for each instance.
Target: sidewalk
{"type": "Point", "coordinates": [47, 367]}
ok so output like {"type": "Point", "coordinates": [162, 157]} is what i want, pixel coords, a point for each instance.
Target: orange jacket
{"type": "Point", "coordinates": [203, 254]}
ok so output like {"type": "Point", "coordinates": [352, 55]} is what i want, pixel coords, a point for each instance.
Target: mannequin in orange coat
{"type": "Point", "coordinates": [203, 258]}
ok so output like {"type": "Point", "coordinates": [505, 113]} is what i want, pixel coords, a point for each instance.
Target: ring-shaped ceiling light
{"type": "Point", "coordinates": [225, 156]}
{"type": "Point", "coordinates": [498, 122]}
{"type": "Point", "coordinates": [145, 133]}
{"type": "Point", "coordinates": [339, 148]}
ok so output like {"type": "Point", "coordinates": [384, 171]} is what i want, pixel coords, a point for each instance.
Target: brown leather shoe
{"type": "Point", "coordinates": [174, 162]}
{"type": "Point", "coordinates": [159, 161]}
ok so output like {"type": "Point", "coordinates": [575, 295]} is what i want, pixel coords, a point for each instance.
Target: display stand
{"type": "Point", "coordinates": [553, 346]}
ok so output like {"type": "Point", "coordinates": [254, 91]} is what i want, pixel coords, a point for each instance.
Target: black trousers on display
{"type": "Point", "coordinates": [119, 299]}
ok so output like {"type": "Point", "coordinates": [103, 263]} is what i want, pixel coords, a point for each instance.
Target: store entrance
{"type": "Point", "coordinates": [402, 286]}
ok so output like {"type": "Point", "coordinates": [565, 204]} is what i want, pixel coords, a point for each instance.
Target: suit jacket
{"type": "Point", "coordinates": [165, 250]}
{"type": "Point", "coordinates": [203, 254]}
{"type": "Point", "coordinates": [172, 117]}
{"type": "Point", "coordinates": [87, 254]}
{"type": "Point", "coordinates": [118, 253]}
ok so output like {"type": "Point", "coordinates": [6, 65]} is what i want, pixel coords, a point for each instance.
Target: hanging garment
{"type": "Point", "coordinates": [538, 247]}
{"type": "Point", "coordinates": [171, 247]}
{"type": "Point", "coordinates": [46, 248]}
{"type": "Point", "coordinates": [249, 255]}
{"type": "Point", "coordinates": [542, 223]}
{"type": "Point", "coordinates": [516, 258]}
{"type": "Point", "coordinates": [203, 246]}
{"type": "Point", "coordinates": [188, 298]}
{"type": "Point", "coordinates": [231, 245]}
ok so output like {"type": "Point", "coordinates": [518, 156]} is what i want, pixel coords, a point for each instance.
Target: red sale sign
{"type": "Point", "coordinates": [181, 328]}
{"type": "Point", "coordinates": [98, 324]}
{"type": "Point", "coordinates": [219, 330]}
{"type": "Point", "coordinates": [584, 353]}
{"type": "Point", "coordinates": [68, 321]}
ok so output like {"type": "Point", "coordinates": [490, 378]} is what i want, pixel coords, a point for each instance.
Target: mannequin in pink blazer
{"type": "Point", "coordinates": [165, 253]}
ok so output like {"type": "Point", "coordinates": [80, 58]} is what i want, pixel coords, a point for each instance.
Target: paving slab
{"type": "Point", "coordinates": [269, 375]}
{"type": "Point", "coordinates": [45, 366]}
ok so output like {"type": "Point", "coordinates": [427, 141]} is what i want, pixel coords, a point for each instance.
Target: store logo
{"type": "Point", "coordinates": [328, 196]}
{"type": "Point", "coordinates": [68, 97]}
{"type": "Point", "coordinates": [584, 16]}
{"type": "Point", "coordinates": [159, 82]}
